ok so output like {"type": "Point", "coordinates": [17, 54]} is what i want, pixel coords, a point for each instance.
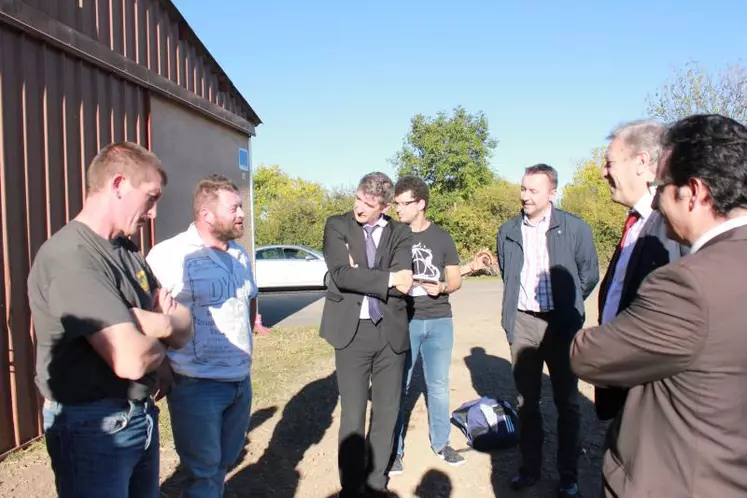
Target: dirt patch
{"type": "Point", "coordinates": [292, 445]}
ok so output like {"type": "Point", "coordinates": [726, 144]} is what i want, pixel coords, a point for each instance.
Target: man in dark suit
{"type": "Point", "coordinates": [679, 346]}
{"type": "Point", "coordinates": [369, 258]}
{"type": "Point", "coordinates": [630, 165]}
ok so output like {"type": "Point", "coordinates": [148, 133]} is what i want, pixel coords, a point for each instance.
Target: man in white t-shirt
{"type": "Point", "coordinates": [207, 271]}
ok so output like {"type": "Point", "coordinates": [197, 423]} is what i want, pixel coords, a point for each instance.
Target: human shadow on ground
{"type": "Point", "coordinates": [492, 376]}
{"type": "Point", "coordinates": [173, 485]}
{"type": "Point", "coordinates": [305, 420]}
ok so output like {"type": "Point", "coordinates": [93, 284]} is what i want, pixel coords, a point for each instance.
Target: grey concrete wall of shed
{"type": "Point", "coordinates": [192, 147]}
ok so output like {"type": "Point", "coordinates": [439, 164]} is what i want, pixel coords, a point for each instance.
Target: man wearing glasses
{"type": "Point", "coordinates": [679, 346]}
{"type": "Point", "coordinates": [630, 169]}
{"type": "Point", "coordinates": [436, 272]}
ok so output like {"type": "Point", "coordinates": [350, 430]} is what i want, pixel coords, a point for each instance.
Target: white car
{"type": "Point", "coordinates": [289, 267]}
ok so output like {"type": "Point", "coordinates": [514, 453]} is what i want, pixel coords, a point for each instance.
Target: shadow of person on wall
{"type": "Point", "coordinates": [305, 420]}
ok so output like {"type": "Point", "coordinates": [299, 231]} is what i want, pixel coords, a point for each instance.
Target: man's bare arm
{"type": "Point", "coordinates": [129, 353]}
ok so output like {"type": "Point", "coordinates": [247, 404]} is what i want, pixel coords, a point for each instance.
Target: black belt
{"type": "Point", "coordinates": [537, 314]}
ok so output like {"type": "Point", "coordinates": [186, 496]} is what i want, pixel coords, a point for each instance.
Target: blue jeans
{"type": "Point", "coordinates": [104, 448]}
{"type": "Point", "coordinates": [433, 339]}
{"type": "Point", "coordinates": [209, 419]}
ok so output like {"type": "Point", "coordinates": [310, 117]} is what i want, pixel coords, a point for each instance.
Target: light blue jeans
{"type": "Point", "coordinates": [209, 420]}
{"type": "Point", "coordinates": [433, 339]}
{"type": "Point", "coordinates": [103, 448]}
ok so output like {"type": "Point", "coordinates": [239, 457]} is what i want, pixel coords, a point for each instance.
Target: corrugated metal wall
{"type": "Point", "coordinates": [56, 112]}
{"type": "Point", "coordinates": [151, 33]}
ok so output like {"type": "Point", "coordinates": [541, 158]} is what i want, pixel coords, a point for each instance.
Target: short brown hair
{"type": "Point", "coordinates": [379, 185]}
{"type": "Point", "coordinates": [544, 169]}
{"type": "Point", "coordinates": [125, 158]}
{"type": "Point", "coordinates": [207, 190]}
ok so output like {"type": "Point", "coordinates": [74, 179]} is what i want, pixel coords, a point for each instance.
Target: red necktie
{"type": "Point", "coordinates": [633, 216]}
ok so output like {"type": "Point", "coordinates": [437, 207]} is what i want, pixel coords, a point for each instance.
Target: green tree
{"type": "Point", "coordinates": [693, 90]}
{"type": "Point", "coordinates": [450, 152]}
{"type": "Point", "coordinates": [474, 222]}
{"type": "Point", "coordinates": [292, 210]}
{"type": "Point", "coordinates": [588, 196]}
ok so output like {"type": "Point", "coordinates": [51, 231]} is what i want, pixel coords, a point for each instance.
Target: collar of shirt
{"type": "Point", "coordinates": [194, 238]}
{"type": "Point", "coordinates": [724, 227]}
{"type": "Point", "coordinates": [545, 219]}
{"type": "Point", "coordinates": [643, 206]}
{"type": "Point", "coordinates": [381, 222]}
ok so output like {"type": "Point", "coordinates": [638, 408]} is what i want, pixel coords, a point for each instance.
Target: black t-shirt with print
{"type": "Point", "coordinates": [432, 250]}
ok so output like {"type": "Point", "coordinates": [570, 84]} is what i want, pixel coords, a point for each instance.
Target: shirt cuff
{"type": "Point", "coordinates": [391, 276]}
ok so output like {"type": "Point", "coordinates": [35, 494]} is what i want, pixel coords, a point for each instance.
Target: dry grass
{"type": "Point", "coordinates": [278, 357]}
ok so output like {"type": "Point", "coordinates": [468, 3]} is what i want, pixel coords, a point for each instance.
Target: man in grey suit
{"type": "Point", "coordinates": [630, 166]}
{"type": "Point", "coordinates": [679, 347]}
{"type": "Point", "coordinates": [369, 258]}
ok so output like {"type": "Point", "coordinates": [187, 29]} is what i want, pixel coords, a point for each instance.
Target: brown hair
{"type": "Point", "coordinates": [379, 185]}
{"type": "Point", "coordinates": [544, 169]}
{"type": "Point", "coordinates": [207, 190]}
{"type": "Point", "coordinates": [132, 160]}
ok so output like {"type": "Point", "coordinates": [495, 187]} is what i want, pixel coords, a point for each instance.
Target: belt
{"type": "Point", "coordinates": [537, 314]}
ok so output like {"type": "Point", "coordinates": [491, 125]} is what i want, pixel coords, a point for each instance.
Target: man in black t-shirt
{"type": "Point", "coordinates": [436, 273]}
{"type": "Point", "coordinates": [103, 325]}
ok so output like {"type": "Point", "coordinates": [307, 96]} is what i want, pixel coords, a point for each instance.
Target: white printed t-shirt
{"type": "Point", "coordinates": [218, 296]}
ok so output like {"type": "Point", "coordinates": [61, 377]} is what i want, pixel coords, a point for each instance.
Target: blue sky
{"type": "Point", "coordinates": [336, 82]}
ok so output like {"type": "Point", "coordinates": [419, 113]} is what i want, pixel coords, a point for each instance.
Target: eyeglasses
{"type": "Point", "coordinates": [405, 203]}
{"type": "Point", "coordinates": [659, 185]}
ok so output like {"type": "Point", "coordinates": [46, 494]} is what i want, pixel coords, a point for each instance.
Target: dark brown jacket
{"type": "Point", "coordinates": [681, 349]}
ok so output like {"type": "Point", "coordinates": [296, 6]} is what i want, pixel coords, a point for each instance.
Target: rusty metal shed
{"type": "Point", "coordinates": [76, 75]}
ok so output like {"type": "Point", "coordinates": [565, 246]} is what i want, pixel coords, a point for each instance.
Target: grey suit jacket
{"type": "Point", "coordinates": [680, 348]}
{"type": "Point", "coordinates": [347, 285]}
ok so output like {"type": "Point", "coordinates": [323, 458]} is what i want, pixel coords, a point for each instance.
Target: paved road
{"type": "Point", "coordinates": [291, 309]}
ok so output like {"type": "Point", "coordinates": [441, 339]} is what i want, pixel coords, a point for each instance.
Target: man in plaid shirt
{"type": "Point", "coordinates": [549, 267]}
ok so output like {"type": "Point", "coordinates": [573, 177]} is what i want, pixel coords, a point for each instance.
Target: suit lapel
{"type": "Point", "coordinates": [357, 243]}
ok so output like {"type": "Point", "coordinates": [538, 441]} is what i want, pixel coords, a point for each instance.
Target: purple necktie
{"type": "Point", "coordinates": [373, 302]}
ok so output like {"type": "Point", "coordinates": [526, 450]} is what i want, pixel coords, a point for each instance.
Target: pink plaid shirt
{"type": "Point", "coordinates": [535, 293]}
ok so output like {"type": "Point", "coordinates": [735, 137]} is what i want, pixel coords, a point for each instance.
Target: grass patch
{"type": "Point", "coordinates": [278, 359]}
{"type": "Point", "coordinates": [32, 450]}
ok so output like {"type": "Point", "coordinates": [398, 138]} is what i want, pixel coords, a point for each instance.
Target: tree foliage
{"type": "Point", "coordinates": [450, 152]}
{"type": "Point", "coordinates": [291, 210]}
{"type": "Point", "coordinates": [588, 196]}
{"type": "Point", "coordinates": [473, 223]}
{"type": "Point", "coordinates": [693, 90]}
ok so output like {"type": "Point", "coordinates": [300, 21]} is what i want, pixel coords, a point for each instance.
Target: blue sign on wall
{"type": "Point", "coordinates": [243, 159]}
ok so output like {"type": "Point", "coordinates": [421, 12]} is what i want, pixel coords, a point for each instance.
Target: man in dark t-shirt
{"type": "Point", "coordinates": [102, 326]}
{"type": "Point", "coordinates": [436, 273]}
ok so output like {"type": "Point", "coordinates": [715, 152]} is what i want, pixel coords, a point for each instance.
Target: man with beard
{"type": "Point", "coordinates": [549, 267]}
{"type": "Point", "coordinates": [210, 397]}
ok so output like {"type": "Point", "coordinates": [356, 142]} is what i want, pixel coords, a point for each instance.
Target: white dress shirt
{"type": "Point", "coordinates": [614, 292]}
{"type": "Point", "coordinates": [364, 264]}
{"type": "Point", "coordinates": [737, 222]}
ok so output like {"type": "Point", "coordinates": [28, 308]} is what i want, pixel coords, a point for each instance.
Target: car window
{"type": "Point", "coordinates": [271, 253]}
{"type": "Point", "coordinates": [293, 253]}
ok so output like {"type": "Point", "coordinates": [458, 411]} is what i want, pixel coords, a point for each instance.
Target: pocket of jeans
{"type": "Point", "coordinates": [108, 425]}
